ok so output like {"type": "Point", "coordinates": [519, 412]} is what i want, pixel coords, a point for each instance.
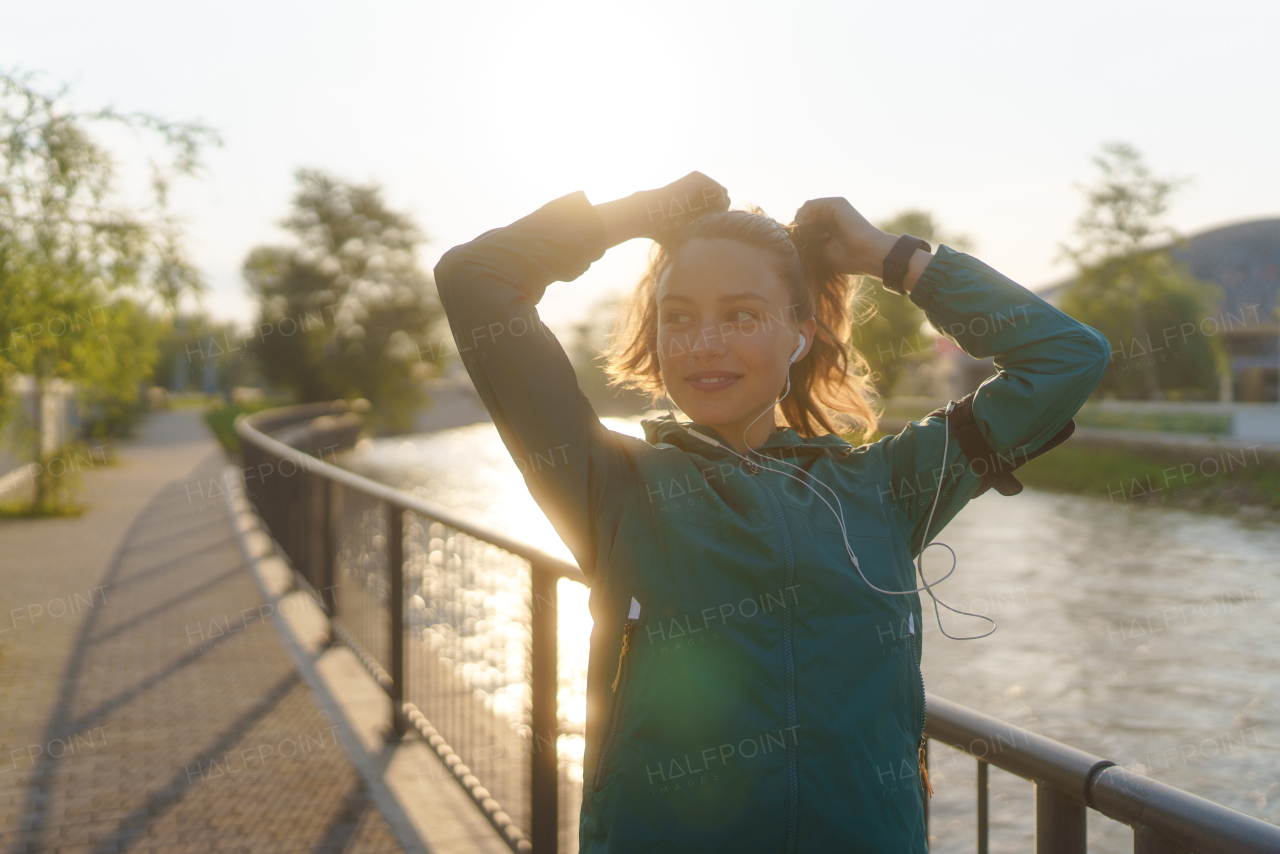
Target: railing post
{"type": "Point", "coordinates": [317, 525]}
{"type": "Point", "coordinates": [293, 501]}
{"type": "Point", "coordinates": [395, 571]}
{"type": "Point", "coordinates": [544, 772]}
{"type": "Point", "coordinates": [1145, 841]}
{"type": "Point", "coordinates": [331, 507]}
{"type": "Point", "coordinates": [1060, 823]}
{"type": "Point", "coordinates": [983, 806]}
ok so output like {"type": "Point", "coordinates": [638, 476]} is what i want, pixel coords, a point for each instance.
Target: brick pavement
{"type": "Point", "coordinates": [143, 703]}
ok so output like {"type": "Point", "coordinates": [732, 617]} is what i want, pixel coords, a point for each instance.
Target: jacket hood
{"type": "Point", "coordinates": [665, 429]}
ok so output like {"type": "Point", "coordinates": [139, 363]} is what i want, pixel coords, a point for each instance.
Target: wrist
{"type": "Point", "coordinates": [912, 266]}
{"type": "Point", "coordinates": [623, 219]}
{"type": "Point", "coordinates": [880, 245]}
{"type": "Point", "coordinates": [915, 268]}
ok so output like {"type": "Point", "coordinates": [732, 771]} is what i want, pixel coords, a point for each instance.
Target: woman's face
{"type": "Point", "coordinates": [726, 331]}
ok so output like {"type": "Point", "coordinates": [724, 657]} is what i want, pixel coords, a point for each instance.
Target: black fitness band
{"type": "Point", "coordinates": [995, 469]}
{"type": "Point", "coordinates": [895, 263]}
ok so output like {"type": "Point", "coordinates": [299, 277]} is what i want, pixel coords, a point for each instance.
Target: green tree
{"type": "Point", "coordinates": [111, 387]}
{"type": "Point", "coordinates": [1130, 288]}
{"type": "Point", "coordinates": [192, 344]}
{"type": "Point", "coordinates": [889, 328]}
{"type": "Point", "coordinates": [347, 312]}
{"type": "Point", "coordinates": [76, 258]}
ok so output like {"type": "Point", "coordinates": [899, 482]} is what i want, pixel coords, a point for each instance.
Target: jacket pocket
{"type": "Point", "coordinates": [619, 690]}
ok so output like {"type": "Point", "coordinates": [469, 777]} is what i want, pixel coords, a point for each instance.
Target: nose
{"type": "Point", "coordinates": [710, 344]}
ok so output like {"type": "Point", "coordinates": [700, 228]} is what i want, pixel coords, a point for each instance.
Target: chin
{"type": "Point", "coordinates": [712, 414]}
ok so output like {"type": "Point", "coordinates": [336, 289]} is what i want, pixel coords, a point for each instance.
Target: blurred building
{"type": "Point", "coordinates": [1244, 260]}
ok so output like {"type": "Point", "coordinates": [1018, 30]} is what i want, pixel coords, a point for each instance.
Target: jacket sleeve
{"type": "Point", "coordinates": [488, 289]}
{"type": "Point", "coordinates": [1047, 366]}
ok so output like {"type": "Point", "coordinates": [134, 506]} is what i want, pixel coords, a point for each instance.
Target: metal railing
{"type": "Point", "coordinates": [458, 624]}
{"type": "Point", "coordinates": [1068, 782]}
{"type": "Point", "coordinates": [476, 679]}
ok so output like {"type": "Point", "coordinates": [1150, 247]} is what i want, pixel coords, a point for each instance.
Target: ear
{"type": "Point", "coordinates": [807, 328]}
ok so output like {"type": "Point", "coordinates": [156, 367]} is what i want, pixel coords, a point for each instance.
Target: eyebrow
{"type": "Point", "coordinates": [725, 298]}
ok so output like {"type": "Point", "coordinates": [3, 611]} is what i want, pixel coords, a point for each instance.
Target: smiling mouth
{"type": "Point", "coordinates": [711, 381]}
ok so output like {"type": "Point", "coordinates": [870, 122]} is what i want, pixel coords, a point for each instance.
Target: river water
{"type": "Point", "coordinates": [1145, 635]}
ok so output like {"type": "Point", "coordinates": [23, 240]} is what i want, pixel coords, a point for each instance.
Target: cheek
{"type": "Point", "coordinates": [669, 355]}
{"type": "Point", "coordinates": [759, 352]}
{"type": "Point", "coordinates": [664, 351]}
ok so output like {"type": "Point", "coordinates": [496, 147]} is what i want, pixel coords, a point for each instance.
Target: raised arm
{"type": "Point", "coordinates": [489, 287]}
{"type": "Point", "coordinates": [1048, 364]}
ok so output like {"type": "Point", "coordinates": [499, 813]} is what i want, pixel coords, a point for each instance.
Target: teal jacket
{"type": "Point", "coordinates": [768, 700]}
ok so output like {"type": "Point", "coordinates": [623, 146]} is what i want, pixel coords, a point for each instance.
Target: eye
{"type": "Point", "coordinates": [674, 317]}
{"type": "Point", "coordinates": [738, 315]}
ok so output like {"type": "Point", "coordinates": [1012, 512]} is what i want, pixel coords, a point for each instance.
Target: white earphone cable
{"type": "Point", "coordinates": [839, 513]}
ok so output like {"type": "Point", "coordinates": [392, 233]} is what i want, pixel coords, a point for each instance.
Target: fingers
{"type": "Point", "coordinates": [689, 197]}
{"type": "Point", "coordinates": [819, 210]}
{"type": "Point", "coordinates": [715, 194]}
{"type": "Point", "coordinates": [723, 201]}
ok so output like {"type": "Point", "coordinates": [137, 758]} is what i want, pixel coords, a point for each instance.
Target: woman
{"type": "Point", "coordinates": [754, 679]}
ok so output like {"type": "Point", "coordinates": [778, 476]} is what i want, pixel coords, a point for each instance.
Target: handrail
{"type": "Point", "coordinates": [1039, 759]}
{"type": "Point", "coordinates": [1185, 821]}
{"type": "Point", "coordinates": [248, 432]}
{"type": "Point", "coordinates": [1165, 820]}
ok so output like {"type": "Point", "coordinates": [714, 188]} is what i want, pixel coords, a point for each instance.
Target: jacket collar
{"type": "Point", "coordinates": [665, 429]}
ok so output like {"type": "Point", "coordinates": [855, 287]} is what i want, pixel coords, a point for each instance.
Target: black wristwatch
{"type": "Point", "coordinates": [895, 263]}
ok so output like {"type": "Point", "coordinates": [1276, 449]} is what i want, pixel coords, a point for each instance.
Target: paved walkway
{"type": "Point", "coordinates": [143, 705]}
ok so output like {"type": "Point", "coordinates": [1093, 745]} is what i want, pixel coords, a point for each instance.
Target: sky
{"type": "Point", "coordinates": [472, 115]}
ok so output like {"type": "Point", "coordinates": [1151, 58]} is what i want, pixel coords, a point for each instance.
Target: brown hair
{"type": "Point", "coordinates": [830, 384]}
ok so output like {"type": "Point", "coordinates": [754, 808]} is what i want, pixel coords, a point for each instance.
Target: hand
{"type": "Point", "coordinates": [652, 213]}
{"type": "Point", "coordinates": [855, 247]}
{"type": "Point", "coordinates": [681, 201]}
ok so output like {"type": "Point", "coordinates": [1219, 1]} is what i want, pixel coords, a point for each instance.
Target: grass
{"type": "Point", "coordinates": [222, 418]}
{"type": "Point", "coordinates": [60, 475]}
{"type": "Point", "coordinates": [191, 400]}
{"type": "Point", "coordinates": [1221, 483]}
{"type": "Point", "coordinates": [28, 510]}
{"type": "Point", "coordinates": [1156, 476]}
{"type": "Point", "coordinates": [1157, 422]}
{"type": "Point", "coordinates": [1224, 482]}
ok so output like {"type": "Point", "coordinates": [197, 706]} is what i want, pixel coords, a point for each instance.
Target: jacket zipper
{"type": "Point", "coordinates": [623, 676]}
{"type": "Point", "coordinates": [793, 800]}
{"type": "Point", "coordinates": [925, 786]}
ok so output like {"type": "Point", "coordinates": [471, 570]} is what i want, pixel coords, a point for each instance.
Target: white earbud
{"type": "Point", "coordinates": [799, 349]}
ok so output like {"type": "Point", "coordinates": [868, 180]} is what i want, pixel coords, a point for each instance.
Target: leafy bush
{"type": "Point", "coordinates": [222, 420]}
